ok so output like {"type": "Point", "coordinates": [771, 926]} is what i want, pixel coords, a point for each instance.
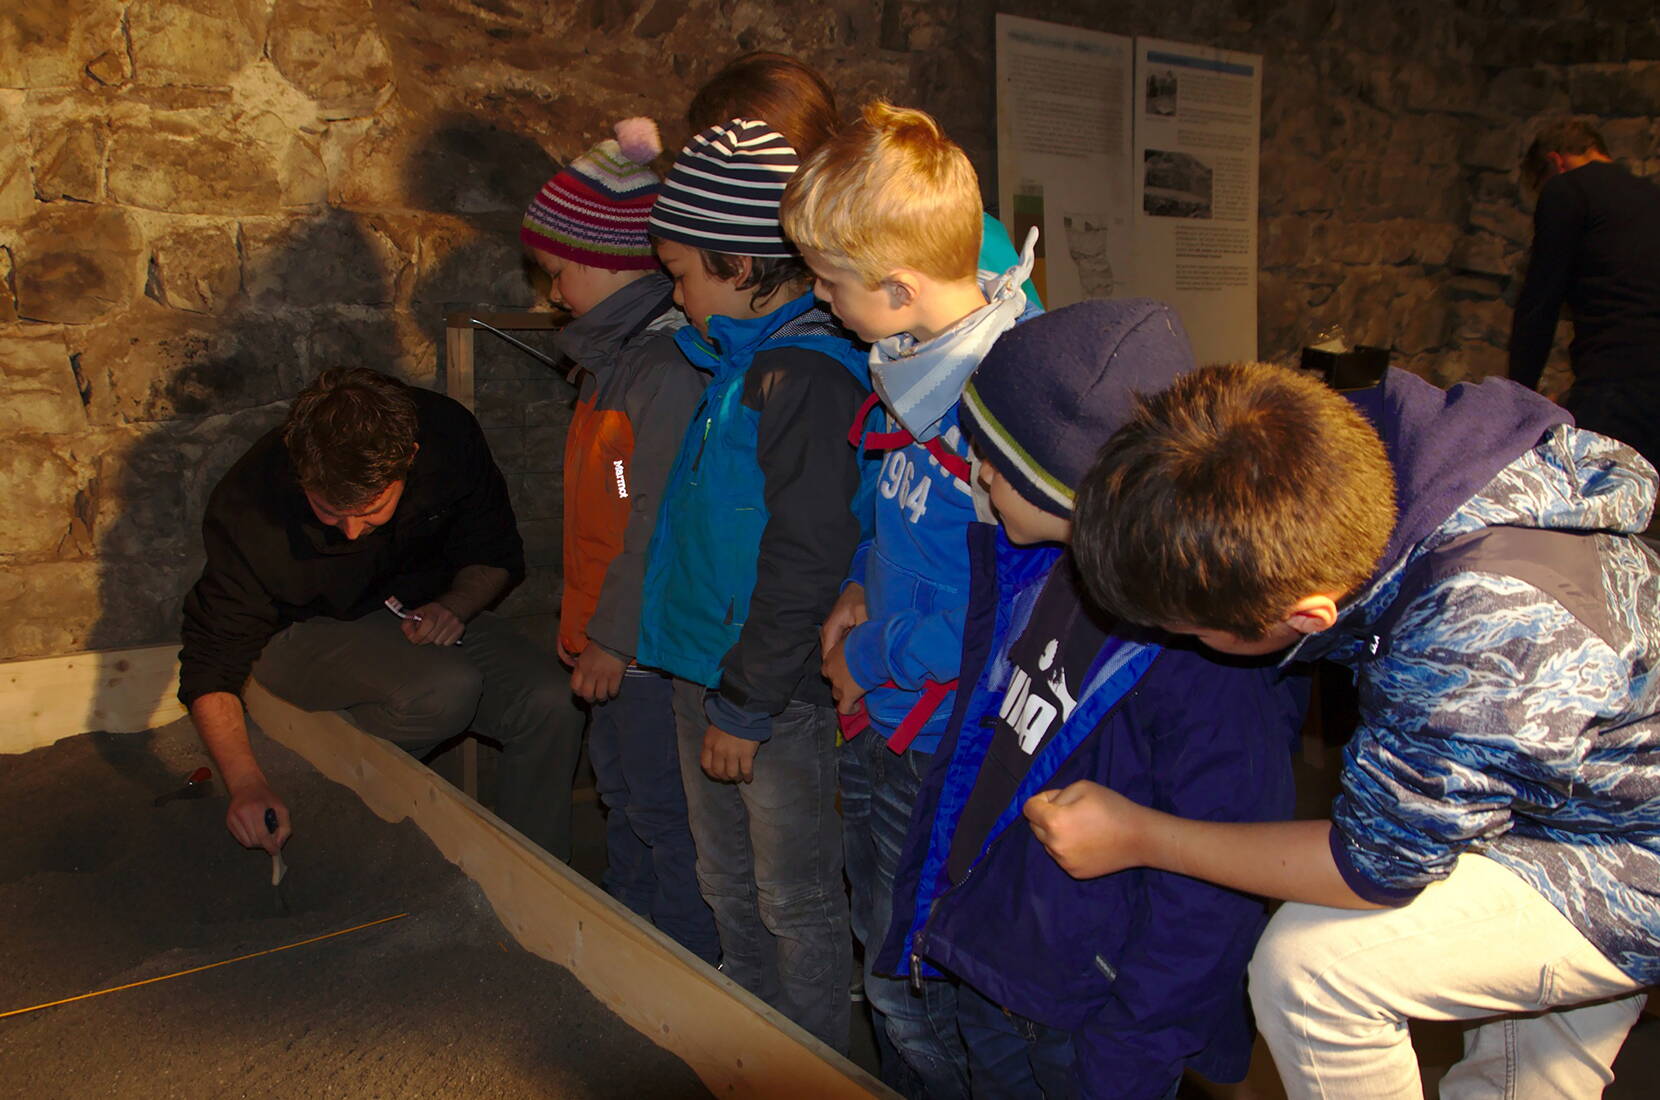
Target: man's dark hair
{"type": "Point", "coordinates": [350, 434]}
{"type": "Point", "coordinates": [776, 89]}
{"type": "Point", "coordinates": [1565, 136]}
{"type": "Point", "coordinates": [1229, 497]}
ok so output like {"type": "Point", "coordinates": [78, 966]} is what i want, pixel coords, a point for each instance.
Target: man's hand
{"type": "Point", "coordinates": [438, 625]}
{"type": "Point", "coordinates": [246, 817]}
{"type": "Point", "coordinates": [843, 687]}
{"type": "Point", "coordinates": [728, 759]}
{"type": "Point", "coordinates": [597, 675]}
{"type": "Point", "coordinates": [848, 612]}
{"type": "Point", "coordinates": [1088, 829]}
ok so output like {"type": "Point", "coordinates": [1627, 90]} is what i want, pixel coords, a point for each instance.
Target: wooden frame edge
{"type": "Point", "coordinates": [45, 699]}
{"type": "Point", "coordinates": [738, 1046]}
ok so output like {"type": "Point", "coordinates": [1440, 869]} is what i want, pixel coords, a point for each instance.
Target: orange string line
{"type": "Point", "coordinates": [198, 969]}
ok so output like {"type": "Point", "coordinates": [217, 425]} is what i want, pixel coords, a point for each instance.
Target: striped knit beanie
{"type": "Point", "coordinates": [1051, 391]}
{"type": "Point", "coordinates": [723, 192]}
{"type": "Point", "coordinates": [593, 211]}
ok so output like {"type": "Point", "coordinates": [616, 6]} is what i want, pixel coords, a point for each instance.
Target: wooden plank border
{"type": "Point", "coordinates": [737, 1045]}
{"type": "Point", "coordinates": [46, 699]}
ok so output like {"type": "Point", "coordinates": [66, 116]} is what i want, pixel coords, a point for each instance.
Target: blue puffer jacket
{"type": "Point", "coordinates": [705, 553]}
{"type": "Point", "coordinates": [1146, 968]}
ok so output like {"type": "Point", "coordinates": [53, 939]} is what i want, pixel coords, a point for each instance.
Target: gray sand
{"type": "Point", "coordinates": [99, 888]}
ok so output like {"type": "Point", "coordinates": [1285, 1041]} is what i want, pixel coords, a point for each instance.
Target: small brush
{"type": "Point", "coordinates": [279, 868]}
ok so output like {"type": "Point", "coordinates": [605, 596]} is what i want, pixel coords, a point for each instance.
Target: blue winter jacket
{"type": "Point", "coordinates": [716, 532]}
{"type": "Point", "coordinates": [1145, 968]}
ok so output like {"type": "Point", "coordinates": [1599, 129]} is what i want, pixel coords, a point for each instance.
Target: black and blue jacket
{"type": "Point", "coordinates": [1145, 968]}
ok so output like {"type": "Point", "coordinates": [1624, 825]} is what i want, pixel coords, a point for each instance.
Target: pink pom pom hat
{"type": "Point", "coordinates": [593, 211]}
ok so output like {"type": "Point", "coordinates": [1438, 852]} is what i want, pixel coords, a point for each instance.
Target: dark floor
{"type": "Point", "coordinates": [100, 888]}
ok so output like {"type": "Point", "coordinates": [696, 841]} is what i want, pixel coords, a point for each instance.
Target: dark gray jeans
{"type": "Point", "coordinates": [769, 863]}
{"type": "Point", "coordinates": [419, 696]}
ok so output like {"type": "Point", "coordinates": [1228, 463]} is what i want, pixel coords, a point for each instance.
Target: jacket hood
{"type": "Point", "coordinates": [1446, 445]}
{"type": "Point", "coordinates": [592, 340]}
{"type": "Point", "coordinates": [1492, 454]}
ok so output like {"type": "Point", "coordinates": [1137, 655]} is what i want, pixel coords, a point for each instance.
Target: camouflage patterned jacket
{"type": "Point", "coordinates": [1508, 661]}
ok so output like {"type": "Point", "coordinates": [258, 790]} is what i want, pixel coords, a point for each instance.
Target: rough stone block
{"type": "Point", "coordinates": [338, 258]}
{"type": "Point", "coordinates": [1632, 140]}
{"type": "Point", "coordinates": [17, 184]}
{"type": "Point", "coordinates": [71, 163]}
{"type": "Point", "coordinates": [195, 268]}
{"type": "Point", "coordinates": [8, 300]}
{"type": "Point", "coordinates": [1518, 93]}
{"type": "Point", "coordinates": [162, 364]}
{"type": "Point", "coordinates": [1483, 253]}
{"type": "Point", "coordinates": [75, 263]}
{"type": "Point", "coordinates": [38, 395]}
{"type": "Point", "coordinates": [49, 607]}
{"type": "Point", "coordinates": [190, 162]}
{"type": "Point", "coordinates": [1615, 91]}
{"type": "Point", "coordinates": [331, 51]}
{"type": "Point", "coordinates": [47, 43]}
{"type": "Point", "coordinates": [1419, 321]}
{"type": "Point", "coordinates": [469, 267]}
{"type": "Point", "coordinates": [38, 482]}
{"type": "Point", "coordinates": [194, 41]}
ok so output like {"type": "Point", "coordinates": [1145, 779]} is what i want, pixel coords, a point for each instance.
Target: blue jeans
{"type": "Point", "coordinates": [1013, 1058]}
{"type": "Point", "coordinates": [916, 1033]}
{"type": "Point", "coordinates": [650, 863]}
{"type": "Point", "coordinates": [769, 862]}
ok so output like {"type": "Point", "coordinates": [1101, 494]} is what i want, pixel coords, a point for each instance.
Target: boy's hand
{"type": "Point", "coordinates": [849, 611]}
{"type": "Point", "coordinates": [728, 759]}
{"type": "Point", "coordinates": [566, 658]}
{"type": "Point", "coordinates": [843, 687]}
{"type": "Point", "coordinates": [597, 675]}
{"type": "Point", "coordinates": [1088, 829]}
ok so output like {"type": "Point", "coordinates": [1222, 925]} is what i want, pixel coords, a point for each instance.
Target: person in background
{"type": "Point", "coordinates": [1596, 249]}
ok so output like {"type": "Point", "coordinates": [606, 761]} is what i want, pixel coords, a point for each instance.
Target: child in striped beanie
{"type": "Point", "coordinates": [635, 395]}
{"type": "Point", "coordinates": [759, 523]}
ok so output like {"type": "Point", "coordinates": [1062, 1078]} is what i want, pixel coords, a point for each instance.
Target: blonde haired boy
{"type": "Point", "coordinates": [887, 216]}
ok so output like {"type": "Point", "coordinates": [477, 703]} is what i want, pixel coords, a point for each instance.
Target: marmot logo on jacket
{"type": "Point", "coordinates": [622, 482]}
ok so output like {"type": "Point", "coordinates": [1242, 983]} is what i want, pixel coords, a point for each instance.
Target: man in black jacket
{"type": "Point", "coordinates": [1596, 248]}
{"type": "Point", "coordinates": [373, 489]}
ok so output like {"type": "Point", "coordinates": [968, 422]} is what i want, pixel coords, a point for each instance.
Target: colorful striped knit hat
{"type": "Point", "coordinates": [594, 210]}
{"type": "Point", "coordinates": [723, 192]}
{"type": "Point", "coordinates": [1051, 391]}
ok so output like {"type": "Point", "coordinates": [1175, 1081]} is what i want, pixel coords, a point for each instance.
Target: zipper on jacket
{"type": "Point", "coordinates": [708, 422]}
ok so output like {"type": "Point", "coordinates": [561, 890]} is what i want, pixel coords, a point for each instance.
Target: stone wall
{"type": "Point", "coordinates": [205, 202]}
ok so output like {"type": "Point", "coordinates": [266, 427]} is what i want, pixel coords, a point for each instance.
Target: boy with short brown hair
{"type": "Point", "coordinates": [1500, 811]}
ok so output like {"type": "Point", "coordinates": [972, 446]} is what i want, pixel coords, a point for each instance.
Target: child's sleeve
{"type": "Point", "coordinates": [909, 647]}
{"type": "Point", "coordinates": [1183, 968]}
{"type": "Point", "coordinates": [659, 403]}
{"type": "Point", "coordinates": [1486, 697]}
{"type": "Point", "coordinates": [810, 478]}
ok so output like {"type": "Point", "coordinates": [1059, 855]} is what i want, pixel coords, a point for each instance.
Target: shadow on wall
{"type": "Point", "coordinates": [198, 374]}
